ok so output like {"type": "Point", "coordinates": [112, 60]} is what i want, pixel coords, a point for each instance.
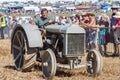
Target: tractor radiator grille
{"type": "Point", "coordinates": [75, 44]}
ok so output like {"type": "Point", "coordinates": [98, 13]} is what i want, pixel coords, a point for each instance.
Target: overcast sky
{"type": "Point", "coordinates": [43, 1]}
{"type": "Point", "coordinates": [46, 0]}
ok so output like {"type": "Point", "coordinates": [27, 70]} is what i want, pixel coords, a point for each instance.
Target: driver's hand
{"type": "Point", "coordinates": [50, 21]}
{"type": "Point", "coordinates": [44, 32]}
{"type": "Point", "coordinates": [32, 22]}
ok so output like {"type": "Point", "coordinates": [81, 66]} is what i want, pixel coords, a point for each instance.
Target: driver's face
{"type": "Point", "coordinates": [44, 14]}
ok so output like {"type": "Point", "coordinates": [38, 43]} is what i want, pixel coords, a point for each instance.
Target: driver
{"type": "Point", "coordinates": [44, 19]}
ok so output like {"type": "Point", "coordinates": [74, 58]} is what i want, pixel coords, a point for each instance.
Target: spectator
{"type": "Point", "coordinates": [92, 30]}
{"type": "Point", "coordinates": [76, 19]}
{"type": "Point", "coordinates": [68, 20]}
{"type": "Point", "coordinates": [20, 21]}
{"type": "Point", "coordinates": [37, 16]}
{"type": "Point", "coordinates": [85, 19]}
{"type": "Point", "coordinates": [73, 18]}
{"type": "Point", "coordinates": [2, 24]}
{"type": "Point", "coordinates": [104, 24]}
{"type": "Point", "coordinates": [6, 29]}
{"type": "Point", "coordinates": [117, 31]}
{"type": "Point", "coordinates": [13, 22]}
{"type": "Point", "coordinates": [61, 20]}
{"type": "Point", "coordinates": [56, 18]}
{"type": "Point", "coordinates": [113, 23]}
{"type": "Point", "coordinates": [83, 23]}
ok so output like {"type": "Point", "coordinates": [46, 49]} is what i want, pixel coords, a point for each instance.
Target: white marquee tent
{"type": "Point", "coordinates": [31, 8]}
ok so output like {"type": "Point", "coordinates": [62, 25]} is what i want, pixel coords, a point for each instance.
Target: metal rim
{"type": "Point", "coordinates": [95, 59]}
{"type": "Point", "coordinates": [18, 48]}
{"type": "Point", "coordinates": [49, 64]}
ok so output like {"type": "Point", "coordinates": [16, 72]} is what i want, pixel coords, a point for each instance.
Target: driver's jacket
{"type": "Point", "coordinates": [42, 22]}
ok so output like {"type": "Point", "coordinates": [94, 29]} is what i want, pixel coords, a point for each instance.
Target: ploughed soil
{"type": "Point", "coordinates": [111, 69]}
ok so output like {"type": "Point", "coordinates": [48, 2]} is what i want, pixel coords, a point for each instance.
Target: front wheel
{"type": "Point", "coordinates": [48, 63]}
{"type": "Point", "coordinates": [94, 59]}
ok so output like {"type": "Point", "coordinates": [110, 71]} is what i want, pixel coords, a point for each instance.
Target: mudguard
{"type": "Point", "coordinates": [33, 34]}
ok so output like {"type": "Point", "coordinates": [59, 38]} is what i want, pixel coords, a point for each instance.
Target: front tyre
{"type": "Point", "coordinates": [48, 63]}
{"type": "Point", "coordinates": [95, 60]}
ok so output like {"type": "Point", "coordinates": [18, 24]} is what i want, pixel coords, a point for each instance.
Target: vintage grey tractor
{"type": "Point", "coordinates": [60, 46]}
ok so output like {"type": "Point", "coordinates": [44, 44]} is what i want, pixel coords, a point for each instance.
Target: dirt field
{"type": "Point", "coordinates": [111, 69]}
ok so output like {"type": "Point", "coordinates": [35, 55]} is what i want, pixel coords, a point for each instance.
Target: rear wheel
{"type": "Point", "coordinates": [22, 60]}
{"type": "Point", "coordinates": [48, 63]}
{"type": "Point", "coordinates": [95, 60]}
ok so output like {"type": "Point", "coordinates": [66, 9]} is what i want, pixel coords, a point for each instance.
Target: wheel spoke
{"type": "Point", "coordinates": [24, 46]}
{"type": "Point", "coordinates": [17, 57]}
{"type": "Point", "coordinates": [16, 47]}
{"type": "Point", "coordinates": [48, 60]}
{"type": "Point", "coordinates": [20, 61]}
{"type": "Point", "coordinates": [49, 64]}
{"type": "Point", "coordinates": [18, 38]}
{"type": "Point", "coordinates": [22, 40]}
{"type": "Point", "coordinates": [24, 49]}
{"type": "Point", "coordinates": [91, 58]}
